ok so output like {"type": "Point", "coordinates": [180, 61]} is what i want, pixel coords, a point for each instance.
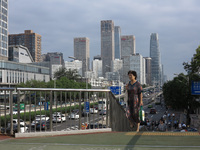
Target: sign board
{"type": "Point", "coordinates": [116, 90]}
{"type": "Point", "coordinates": [195, 88]}
{"type": "Point", "coordinates": [87, 107]}
{"type": "Point", "coordinates": [46, 105]}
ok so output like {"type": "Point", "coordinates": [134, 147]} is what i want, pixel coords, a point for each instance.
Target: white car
{"type": "Point", "coordinates": [38, 118]}
{"type": "Point", "coordinates": [15, 122]}
{"type": "Point", "coordinates": [94, 110]}
{"type": "Point", "coordinates": [16, 112]}
{"type": "Point", "coordinates": [59, 118]}
{"type": "Point", "coordinates": [74, 114]}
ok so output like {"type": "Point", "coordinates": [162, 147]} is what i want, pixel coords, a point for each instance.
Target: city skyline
{"type": "Point", "coordinates": [176, 23]}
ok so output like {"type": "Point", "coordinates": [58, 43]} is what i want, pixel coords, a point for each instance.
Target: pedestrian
{"type": "Point", "coordinates": [162, 126]}
{"type": "Point", "coordinates": [134, 90]}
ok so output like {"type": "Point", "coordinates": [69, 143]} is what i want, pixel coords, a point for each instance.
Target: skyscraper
{"type": "Point", "coordinates": [148, 70]}
{"type": "Point", "coordinates": [127, 50]}
{"type": "Point", "coordinates": [82, 52]}
{"type": "Point", "coordinates": [155, 60]}
{"type": "Point", "coordinates": [107, 45]}
{"type": "Point", "coordinates": [30, 40]}
{"type": "Point", "coordinates": [117, 42]}
{"type": "Point", "coordinates": [4, 30]}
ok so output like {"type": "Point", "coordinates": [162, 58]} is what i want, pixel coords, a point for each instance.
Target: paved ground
{"type": "Point", "coordinates": [108, 141]}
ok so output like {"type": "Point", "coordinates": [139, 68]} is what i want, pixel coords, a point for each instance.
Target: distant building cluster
{"type": "Point", "coordinates": [22, 58]}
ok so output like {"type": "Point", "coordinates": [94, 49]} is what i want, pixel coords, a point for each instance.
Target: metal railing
{"type": "Point", "coordinates": [37, 107]}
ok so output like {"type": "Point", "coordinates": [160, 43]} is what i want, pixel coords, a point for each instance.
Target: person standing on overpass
{"type": "Point", "coordinates": [134, 90]}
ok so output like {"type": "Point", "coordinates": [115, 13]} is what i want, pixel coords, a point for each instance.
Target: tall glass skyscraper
{"type": "Point", "coordinates": [156, 68]}
{"type": "Point", "coordinates": [117, 42]}
{"type": "Point", "coordinates": [107, 45]}
{"type": "Point", "coordinates": [4, 30]}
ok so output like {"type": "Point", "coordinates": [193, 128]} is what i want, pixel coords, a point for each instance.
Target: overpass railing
{"type": "Point", "coordinates": [35, 109]}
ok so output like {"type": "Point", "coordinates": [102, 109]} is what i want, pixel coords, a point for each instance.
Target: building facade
{"type": "Point", "coordinates": [74, 65]}
{"type": "Point", "coordinates": [137, 63]}
{"type": "Point", "coordinates": [148, 70]}
{"type": "Point", "coordinates": [107, 45]}
{"type": "Point", "coordinates": [13, 73]}
{"type": "Point", "coordinates": [30, 40]}
{"type": "Point", "coordinates": [97, 67]}
{"type": "Point", "coordinates": [82, 52]}
{"type": "Point", "coordinates": [4, 30]}
{"type": "Point", "coordinates": [117, 42]}
{"type": "Point", "coordinates": [20, 54]}
{"type": "Point", "coordinates": [156, 68]}
{"type": "Point", "coordinates": [127, 50]}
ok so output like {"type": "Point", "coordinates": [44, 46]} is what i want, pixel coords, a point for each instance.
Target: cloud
{"type": "Point", "coordinates": [176, 22]}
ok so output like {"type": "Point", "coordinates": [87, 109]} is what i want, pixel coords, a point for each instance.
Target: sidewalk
{"type": "Point", "coordinates": [108, 141]}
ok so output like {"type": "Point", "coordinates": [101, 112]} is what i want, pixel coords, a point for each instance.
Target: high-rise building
{"type": "Point", "coordinates": [97, 67]}
{"type": "Point", "coordinates": [148, 70]}
{"type": "Point", "coordinates": [4, 30]}
{"type": "Point", "coordinates": [156, 68]}
{"type": "Point", "coordinates": [117, 42]}
{"type": "Point", "coordinates": [137, 63]}
{"type": "Point", "coordinates": [74, 65]}
{"type": "Point", "coordinates": [107, 45]}
{"type": "Point", "coordinates": [127, 50]}
{"type": "Point", "coordinates": [82, 52]}
{"type": "Point", "coordinates": [30, 40]}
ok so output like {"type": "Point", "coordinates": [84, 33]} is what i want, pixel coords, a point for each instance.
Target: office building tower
{"type": "Point", "coordinates": [97, 67]}
{"type": "Point", "coordinates": [117, 42]}
{"type": "Point", "coordinates": [155, 60]}
{"type": "Point", "coordinates": [107, 45]}
{"type": "Point", "coordinates": [117, 66]}
{"type": "Point", "coordinates": [137, 63]}
{"type": "Point", "coordinates": [148, 70]}
{"type": "Point", "coordinates": [82, 52]}
{"type": "Point", "coordinates": [55, 58]}
{"type": "Point", "coordinates": [30, 40]}
{"type": "Point", "coordinates": [127, 49]}
{"type": "Point", "coordinates": [4, 30]}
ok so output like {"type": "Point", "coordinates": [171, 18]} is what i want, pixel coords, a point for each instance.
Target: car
{"type": "Point", "coordinates": [150, 106]}
{"type": "Point", "coordinates": [15, 121]}
{"type": "Point", "coordinates": [94, 110]}
{"type": "Point", "coordinates": [44, 125]}
{"type": "Point", "coordinates": [74, 114]}
{"type": "Point", "coordinates": [23, 129]}
{"type": "Point", "coordinates": [38, 118]}
{"type": "Point", "coordinates": [152, 111]}
{"type": "Point", "coordinates": [102, 112]}
{"type": "Point", "coordinates": [59, 118]}
{"type": "Point", "coordinates": [16, 111]}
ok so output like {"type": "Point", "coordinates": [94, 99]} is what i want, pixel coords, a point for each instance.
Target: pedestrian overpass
{"type": "Point", "coordinates": [49, 101]}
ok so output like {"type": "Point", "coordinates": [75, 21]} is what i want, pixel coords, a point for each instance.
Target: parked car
{"type": "Point", "coordinates": [16, 111]}
{"type": "Point", "coordinates": [74, 114]}
{"type": "Point", "coordinates": [94, 110]}
{"type": "Point", "coordinates": [102, 112]}
{"type": "Point", "coordinates": [59, 118]}
{"type": "Point", "coordinates": [22, 129]}
{"type": "Point", "coordinates": [44, 126]}
{"type": "Point", "coordinates": [15, 121]}
{"type": "Point", "coordinates": [152, 111]}
{"type": "Point", "coordinates": [38, 118]}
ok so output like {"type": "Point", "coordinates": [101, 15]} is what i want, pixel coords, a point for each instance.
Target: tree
{"type": "Point", "coordinates": [177, 93]}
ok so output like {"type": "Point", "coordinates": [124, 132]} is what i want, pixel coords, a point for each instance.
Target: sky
{"type": "Point", "coordinates": [177, 23]}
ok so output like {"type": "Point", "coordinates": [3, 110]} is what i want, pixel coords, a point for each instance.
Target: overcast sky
{"type": "Point", "coordinates": [177, 23]}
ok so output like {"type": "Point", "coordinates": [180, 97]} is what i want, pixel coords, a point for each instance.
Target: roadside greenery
{"type": "Point", "coordinates": [177, 92]}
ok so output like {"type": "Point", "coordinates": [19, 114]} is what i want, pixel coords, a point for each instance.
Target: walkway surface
{"type": "Point", "coordinates": [107, 141]}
